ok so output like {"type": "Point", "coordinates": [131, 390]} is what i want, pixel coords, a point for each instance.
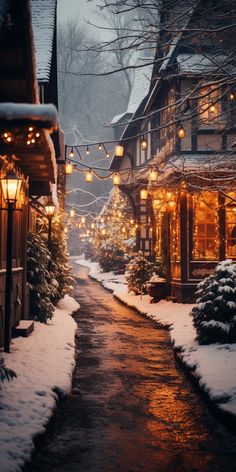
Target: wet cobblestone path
{"type": "Point", "coordinates": [131, 408]}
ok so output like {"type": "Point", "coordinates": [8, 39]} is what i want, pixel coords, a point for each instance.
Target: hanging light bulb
{"type": "Point", "coordinates": [83, 220]}
{"type": "Point", "coordinates": [72, 213]}
{"type": "Point", "coordinates": [231, 96]}
{"type": "Point", "coordinates": [69, 168]}
{"type": "Point", "coordinates": [87, 151]}
{"type": "Point", "coordinates": [153, 175]}
{"type": "Point", "coordinates": [144, 144]}
{"type": "Point", "coordinates": [107, 155]}
{"type": "Point", "coordinates": [119, 151]}
{"type": "Point", "coordinates": [100, 147]}
{"type": "Point", "coordinates": [65, 230]}
{"type": "Point", "coordinates": [116, 180]}
{"type": "Point", "coordinates": [103, 231]}
{"type": "Point", "coordinates": [89, 176]}
{"type": "Point", "coordinates": [71, 153]}
{"type": "Point", "coordinates": [143, 194]}
{"type": "Point", "coordinates": [181, 132]}
{"type": "Point", "coordinates": [92, 225]}
{"type": "Point", "coordinates": [212, 108]}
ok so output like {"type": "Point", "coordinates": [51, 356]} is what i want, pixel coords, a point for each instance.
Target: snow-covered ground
{"type": "Point", "coordinates": [44, 362]}
{"type": "Point", "coordinates": [214, 365]}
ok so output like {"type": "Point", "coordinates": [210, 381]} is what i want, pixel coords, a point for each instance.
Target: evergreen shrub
{"type": "Point", "coordinates": [139, 271]}
{"type": "Point", "coordinates": [39, 279]}
{"type": "Point", "coordinates": [111, 257]}
{"type": "Point", "coordinates": [214, 316]}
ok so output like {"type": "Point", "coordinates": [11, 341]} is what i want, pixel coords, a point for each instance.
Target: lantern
{"type": "Point", "coordinates": [143, 194]}
{"type": "Point", "coordinates": [119, 151]}
{"type": "Point", "coordinates": [116, 180]}
{"type": "Point", "coordinates": [144, 144]}
{"type": "Point", "coordinates": [50, 210]}
{"type": "Point", "coordinates": [11, 185]}
{"type": "Point", "coordinates": [153, 175]}
{"type": "Point", "coordinates": [181, 132]}
{"type": "Point", "coordinates": [89, 176]}
{"type": "Point", "coordinates": [69, 168]}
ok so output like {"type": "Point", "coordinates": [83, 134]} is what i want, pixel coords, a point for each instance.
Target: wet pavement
{"type": "Point", "coordinates": [131, 408]}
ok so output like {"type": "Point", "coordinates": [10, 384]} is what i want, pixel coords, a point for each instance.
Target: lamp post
{"type": "Point", "coordinates": [49, 209]}
{"type": "Point", "coordinates": [11, 185]}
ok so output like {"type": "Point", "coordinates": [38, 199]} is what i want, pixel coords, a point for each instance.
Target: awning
{"type": "Point", "coordinates": [25, 136]}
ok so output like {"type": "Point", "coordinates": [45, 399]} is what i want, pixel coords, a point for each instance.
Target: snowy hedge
{"type": "Point", "coordinates": [214, 317]}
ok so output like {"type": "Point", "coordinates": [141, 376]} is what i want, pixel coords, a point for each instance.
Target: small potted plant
{"type": "Point", "coordinates": [156, 288]}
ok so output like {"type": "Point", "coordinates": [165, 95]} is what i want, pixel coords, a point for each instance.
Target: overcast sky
{"type": "Point", "coordinates": [82, 10]}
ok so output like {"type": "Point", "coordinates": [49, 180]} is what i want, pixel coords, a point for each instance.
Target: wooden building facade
{"type": "Point", "coordinates": [26, 148]}
{"type": "Point", "coordinates": [180, 157]}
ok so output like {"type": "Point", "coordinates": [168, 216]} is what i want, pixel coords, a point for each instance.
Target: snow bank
{"type": "Point", "coordinates": [214, 365]}
{"type": "Point", "coordinates": [43, 362]}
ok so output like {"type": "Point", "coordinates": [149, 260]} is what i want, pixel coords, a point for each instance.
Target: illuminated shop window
{"type": "Point", "coordinates": [206, 226]}
{"type": "Point", "coordinates": [209, 106]}
{"type": "Point", "coordinates": [230, 222]}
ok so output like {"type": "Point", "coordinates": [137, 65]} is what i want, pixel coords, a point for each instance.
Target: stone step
{"type": "Point", "coordinates": [24, 329]}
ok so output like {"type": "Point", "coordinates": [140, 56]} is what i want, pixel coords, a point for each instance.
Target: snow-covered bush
{"type": "Point", "coordinates": [5, 372]}
{"type": "Point", "coordinates": [59, 268]}
{"type": "Point", "coordinates": [214, 316]}
{"type": "Point", "coordinates": [39, 279]}
{"type": "Point", "coordinates": [111, 257]}
{"type": "Point", "coordinates": [139, 271]}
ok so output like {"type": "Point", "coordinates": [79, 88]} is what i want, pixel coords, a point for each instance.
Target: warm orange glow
{"type": "Point", "coordinates": [11, 185]}
{"type": "Point", "coordinates": [144, 144]}
{"type": "Point", "coordinates": [143, 194]}
{"type": "Point", "coordinates": [72, 213]}
{"type": "Point", "coordinates": [116, 179]}
{"type": "Point", "coordinates": [89, 176]}
{"type": "Point", "coordinates": [71, 153]}
{"type": "Point", "coordinates": [153, 175]}
{"type": "Point", "coordinates": [83, 219]}
{"type": "Point", "coordinates": [119, 151]}
{"type": "Point", "coordinates": [69, 168]}
{"type": "Point", "coordinates": [181, 132]}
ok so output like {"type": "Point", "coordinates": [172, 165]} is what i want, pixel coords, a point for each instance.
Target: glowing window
{"type": "Point", "coordinates": [206, 226]}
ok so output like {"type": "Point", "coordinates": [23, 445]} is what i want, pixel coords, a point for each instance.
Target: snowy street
{"type": "Point", "coordinates": [131, 407]}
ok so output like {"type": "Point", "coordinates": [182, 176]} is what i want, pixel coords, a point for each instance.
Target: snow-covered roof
{"type": "Point", "coordinates": [45, 115]}
{"type": "Point", "coordinates": [140, 88]}
{"type": "Point", "coordinates": [199, 63]}
{"type": "Point", "coordinates": [43, 22]}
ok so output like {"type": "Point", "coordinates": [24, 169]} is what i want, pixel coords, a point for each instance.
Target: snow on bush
{"type": "Point", "coordinates": [139, 271]}
{"type": "Point", "coordinates": [214, 316]}
{"type": "Point", "coordinates": [39, 279]}
{"type": "Point", "coordinates": [111, 257]}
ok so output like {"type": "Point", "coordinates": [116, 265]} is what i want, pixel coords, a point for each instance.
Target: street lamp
{"type": "Point", "coordinates": [11, 185]}
{"type": "Point", "coordinates": [49, 209]}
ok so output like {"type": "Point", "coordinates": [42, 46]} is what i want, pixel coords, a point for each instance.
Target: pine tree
{"type": "Point", "coordinates": [58, 266]}
{"type": "Point", "coordinates": [114, 229]}
{"type": "Point", "coordinates": [39, 279]}
{"type": "Point", "coordinates": [214, 317]}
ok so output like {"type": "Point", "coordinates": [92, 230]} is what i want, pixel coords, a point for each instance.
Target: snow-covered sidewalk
{"type": "Point", "coordinates": [214, 365]}
{"type": "Point", "coordinates": [44, 362]}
